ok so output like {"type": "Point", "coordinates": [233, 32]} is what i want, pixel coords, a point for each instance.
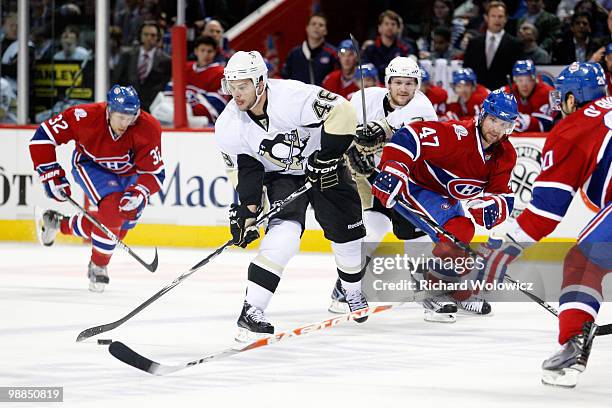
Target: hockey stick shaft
{"type": "Point", "coordinates": [128, 356]}
{"type": "Point", "coordinates": [276, 207]}
{"type": "Point", "coordinates": [363, 102]}
{"type": "Point", "coordinates": [152, 267]}
{"type": "Point", "coordinates": [440, 230]}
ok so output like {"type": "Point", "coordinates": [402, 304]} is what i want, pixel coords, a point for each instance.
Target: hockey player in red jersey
{"type": "Point", "coordinates": [577, 156]}
{"type": "Point", "coordinates": [532, 97]}
{"type": "Point", "coordinates": [342, 81]}
{"type": "Point", "coordinates": [435, 166]}
{"type": "Point", "coordinates": [117, 162]}
{"type": "Point", "coordinates": [436, 94]}
{"type": "Point", "coordinates": [470, 95]}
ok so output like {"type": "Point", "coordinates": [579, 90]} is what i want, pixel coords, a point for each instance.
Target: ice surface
{"type": "Point", "coordinates": [395, 359]}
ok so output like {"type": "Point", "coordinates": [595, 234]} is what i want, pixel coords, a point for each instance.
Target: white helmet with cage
{"type": "Point", "coordinates": [403, 67]}
{"type": "Point", "coordinates": [245, 65]}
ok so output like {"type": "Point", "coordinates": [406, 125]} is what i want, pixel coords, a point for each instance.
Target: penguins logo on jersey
{"type": "Point", "coordinates": [285, 150]}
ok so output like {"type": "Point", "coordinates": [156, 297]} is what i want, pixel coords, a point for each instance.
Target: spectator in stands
{"type": "Point", "coordinates": [43, 43]}
{"type": "Point", "coordinates": [470, 95]}
{"type": "Point", "coordinates": [311, 61]}
{"type": "Point", "coordinates": [387, 45]}
{"type": "Point", "coordinates": [599, 17]}
{"type": "Point", "coordinates": [145, 67]}
{"type": "Point", "coordinates": [608, 65]}
{"type": "Point", "coordinates": [532, 96]}
{"type": "Point", "coordinates": [547, 24]}
{"type": "Point", "coordinates": [441, 46]}
{"type": "Point", "coordinates": [341, 81]}
{"type": "Point", "coordinates": [8, 32]}
{"type": "Point", "coordinates": [203, 78]}
{"type": "Point", "coordinates": [214, 29]}
{"type": "Point", "coordinates": [71, 51]}
{"type": "Point", "coordinates": [492, 55]}
{"type": "Point", "coordinates": [577, 45]}
{"type": "Point", "coordinates": [441, 15]}
{"type": "Point", "coordinates": [114, 46]}
{"type": "Point", "coordinates": [528, 34]}
{"type": "Point", "coordinates": [128, 16]}
{"type": "Point", "coordinates": [436, 94]}
{"type": "Point", "coordinates": [565, 9]}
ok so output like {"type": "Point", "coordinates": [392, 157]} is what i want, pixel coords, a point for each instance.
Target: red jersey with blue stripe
{"type": "Point", "coordinates": [137, 151]}
{"type": "Point", "coordinates": [448, 158]}
{"type": "Point", "coordinates": [465, 110]}
{"type": "Point", "coordinates": [577, 155]}
{"type": "Point", "coordinates": [535, 105]}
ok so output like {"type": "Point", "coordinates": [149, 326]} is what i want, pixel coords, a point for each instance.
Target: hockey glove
{"type": "Point", "coordinates": [522, 122]}
{"type": "Point", "coordinates": [494, 257]}
{"type": "Point", "coordinates": [54, 180]}
{"type": "Point", "coordinates": [391, 181]}
{"type": "Point", "coordinates": [322, 174]}
{"type": "Point", "coordinates": [488, 211]}
{"type": "Point", "coordinates": [360, 162]}
{"type": "Point", "coordinates": [374, 133]}
{"type": "Point", "coordinates": [133, 201]}
{"type": "Point", "coordinates": [242, 227]}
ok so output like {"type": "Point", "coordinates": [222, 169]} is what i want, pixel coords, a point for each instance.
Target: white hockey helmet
{"type": "Point", "coordinates": [245, 65]}
{"type": "Point", "coordinates": [403, 67]}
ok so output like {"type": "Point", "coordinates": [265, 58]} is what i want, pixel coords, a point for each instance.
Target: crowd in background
{"type": "Point", "coordinates": [488, 36]}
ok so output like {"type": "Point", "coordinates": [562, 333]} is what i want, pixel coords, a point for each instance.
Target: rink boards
{"type": "Point", "coordinates": [191, 210]}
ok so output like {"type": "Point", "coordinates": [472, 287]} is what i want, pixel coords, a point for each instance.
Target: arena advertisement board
{"type": "Point", "coordinates": [197, 191]}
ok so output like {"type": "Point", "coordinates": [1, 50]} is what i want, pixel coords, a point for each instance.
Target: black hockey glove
{"type": "Point", "coordinates": [361, 163]}
{"type": "Point", "coordinates": [242, 225]}
{"type": "Point", "coordinates": [375, 133]}
{"type": "Point", "coordinates": [322, 174]}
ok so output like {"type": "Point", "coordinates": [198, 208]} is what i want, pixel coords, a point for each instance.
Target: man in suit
{"type": "Point", "coordinates": [493, 55]}
{"type": "Point", "coordinates": [146, 67]}
{"type": "Point", "coordinates": [548, 25]}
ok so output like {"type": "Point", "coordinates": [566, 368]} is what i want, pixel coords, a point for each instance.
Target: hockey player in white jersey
{"type": "Point", "coordinates": [387, 109]}
{"type": "Point", "coordinates": [278, 134]}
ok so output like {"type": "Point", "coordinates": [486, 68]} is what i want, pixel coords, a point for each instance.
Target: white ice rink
{"type": "Point", "coordinates": [394, 360]}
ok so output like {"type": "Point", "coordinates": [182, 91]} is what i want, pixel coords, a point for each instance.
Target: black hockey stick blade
{"type": "Point", "coordinates": [123, 353]}
{"type": "Point", "coordinates": [152, 267]}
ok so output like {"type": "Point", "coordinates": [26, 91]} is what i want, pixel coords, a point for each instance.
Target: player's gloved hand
{"type": "Point", "coordinates": [242, 225]}
{"type": "Point", "coordinates": [391, 181]}
{"type": "Point", "coordinates": [495, 255]}
{"type": "Point", "coordinates": [133, 201]}
{"type": "Point", "coordinates": [361, 163]}
{"type": "Point", "coordinates": [54, 180]}
{"type": "Point", "coordinates": [322, 174]}
{"type": "Point", "coordinates": [374, 133]}
{"type": "Point", "coordinates": [522, 122]}
{"type": "Point", "coordinates": [488, 211]}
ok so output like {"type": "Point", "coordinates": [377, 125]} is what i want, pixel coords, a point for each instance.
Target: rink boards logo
{"type": "Point", "coordinates": [285, 150]}
{"type": "Point", "coordinates": [462, 189]}
{"type": "Point", "coordinates": [526, 170]}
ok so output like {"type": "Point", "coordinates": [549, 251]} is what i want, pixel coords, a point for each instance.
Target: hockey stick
{"type": "Point", "coordinates": [123, 353]}
{"type": "Point", "coordinates": [276, 207]}
{"type": "Point", "coordinates": [437, 228]}
{"type": "Point", "coordinates": [152, 267]}
{"type": "Point", "coordinates": [363, 103]}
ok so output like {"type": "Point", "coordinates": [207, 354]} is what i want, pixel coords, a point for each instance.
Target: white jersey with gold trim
{"type": "Point", "coordinates": [295, 115]}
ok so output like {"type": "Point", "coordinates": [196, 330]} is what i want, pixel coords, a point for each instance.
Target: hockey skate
{"type": "Point", "coordinates": [252, 324]}
{"type": "Point", "coordinates": [47, 225]}
{"type": "Point", "coordinates": [338, 303]}
{"type": "Point", "coordinates": [355, 301]}
{"type": "Point", "coordinates": [474, 306]}
{"type": "Point", "coordinates": [98, 277]}
{"type": "Point", "coordinates": [563, 368]}
{"type": "Point", "coordinates": [439, 309]}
